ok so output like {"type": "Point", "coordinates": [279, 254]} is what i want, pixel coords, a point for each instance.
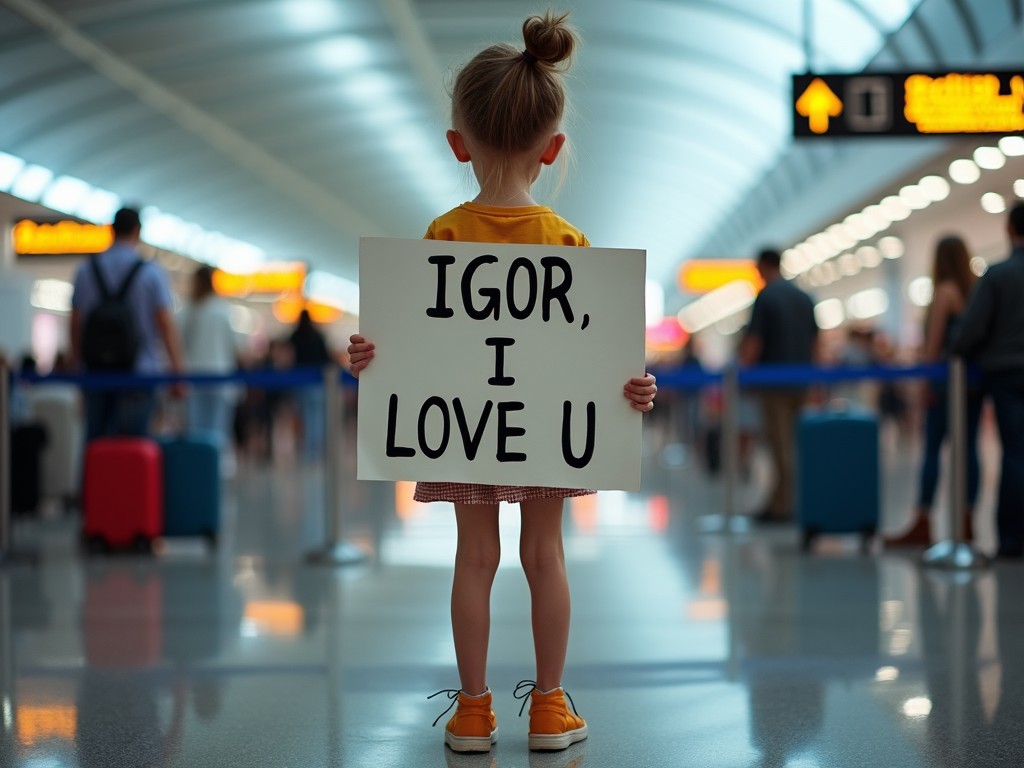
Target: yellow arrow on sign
{"type": "Point", "coordinates": [818, 103]}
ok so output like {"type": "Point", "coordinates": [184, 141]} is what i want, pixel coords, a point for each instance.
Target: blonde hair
{"type": "Point", "coordinates": [509, 98]}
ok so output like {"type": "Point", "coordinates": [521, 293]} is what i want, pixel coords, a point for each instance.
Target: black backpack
{"type": "Point", "coordinates": [110, 336]}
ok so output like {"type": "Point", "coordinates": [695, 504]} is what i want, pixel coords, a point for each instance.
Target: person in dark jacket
{"type": "Point", "coordinates": [782, 329]}
{"type": "Point", "coordinates": [309, 348]}
{"type": "Point", "coordinates": [992, 337]}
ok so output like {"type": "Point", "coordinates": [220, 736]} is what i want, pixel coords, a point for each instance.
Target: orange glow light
{"type": "Point", "coordinates": [279, 619]}
{"type": "Point", "coordinates": [273, 278]}
{"type": "Point", "coordinates": [60, 238]}
{"type": "Point", "coordinates": [37, 724]}
{"type": "Point", "coordinates": [704, 275]}
{"type": "Point", "coordinates": [405, 506]}
{"type": "Point", "coordinates": [287, 309]}
{"type": "Point", "coordinates": [583, 510]}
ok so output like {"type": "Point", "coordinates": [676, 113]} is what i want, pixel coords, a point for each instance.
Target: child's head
{"type": "Point", "coordinates": [511, 100]}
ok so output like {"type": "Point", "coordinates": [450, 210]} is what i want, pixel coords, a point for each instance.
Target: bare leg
{"type": "Point", "coordinates": [476, 562]}
{"type": "Point", "coordinates": [543, 559]}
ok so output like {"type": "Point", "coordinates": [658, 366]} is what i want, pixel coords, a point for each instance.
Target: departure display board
{"type": "Point", "coordinates": [60, 238]}
{"type": "Point", "coordinates": [953, 103]}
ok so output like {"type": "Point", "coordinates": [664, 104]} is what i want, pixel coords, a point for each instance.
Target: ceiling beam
{"type": "Point", "coordinates": [246, 154]}
{"type": "Point", "coordinates": [408, 28]}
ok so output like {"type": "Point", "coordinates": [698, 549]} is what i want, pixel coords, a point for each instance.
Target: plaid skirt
{"type": "Point", "coordinates": [474, 493]}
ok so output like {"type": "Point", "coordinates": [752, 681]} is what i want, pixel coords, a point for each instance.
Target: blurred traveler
{"type": "Point", "coordinates": [782, 329]}
{"type": "Point", "coordinates": [992, 336]}
{"type": "Point", "coordinates": [210, 346]}
{"type": "Point", "coordinates": [892, 395]}
{"type": "Point", "coordinates": [310, 349]}
{"type": "Point", "coordinates": [507, 107]}
{"type": "Point", "coordinates": [952, 279]}
{"type": "Point", "coordinates": [857, 352]}
{"type": "Point", "coordinates": [121, 322]}
{"type": "Point", "coordinates": [21, 394]}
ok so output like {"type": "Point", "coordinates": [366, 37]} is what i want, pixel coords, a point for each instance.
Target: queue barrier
{"type": "Point", "coordinates": [332, 378]}
{"type": "Point", "coordinates": [956, 553]}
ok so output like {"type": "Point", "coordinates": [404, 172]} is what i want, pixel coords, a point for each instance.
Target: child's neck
{"type": "Point", "coordinates": [505, 200]}
{"type": "Point", "coordinates": [510, 190]}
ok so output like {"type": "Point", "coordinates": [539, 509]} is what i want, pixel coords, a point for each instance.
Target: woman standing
{"type": "Point", "coordinates": [210, 346]}
{"type": "Point", "coordinates": [310, 350]}
{"type": "Point", "coordinates": [952, 279]}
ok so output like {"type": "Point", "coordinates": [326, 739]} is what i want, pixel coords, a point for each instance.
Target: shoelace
{"type": "Point", "coordinates": [451, 693]}
{"type": "Point", "coordinates": [529, 686]}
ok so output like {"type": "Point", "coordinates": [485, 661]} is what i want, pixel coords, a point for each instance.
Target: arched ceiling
{"type": "Point", "coordinates": [301, 125]}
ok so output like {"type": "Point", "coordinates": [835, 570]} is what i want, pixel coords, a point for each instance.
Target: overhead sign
{"type": "Point", "coordinates": [908, 104]}
{"type": "Point", "coordinates": [60, 238]}
{"type": "Point", "coordinates": [703, 275]}
{"type": "Point", "coordinates": [500, 363]}
{"type": "Point", "coordinates": [271, 279]}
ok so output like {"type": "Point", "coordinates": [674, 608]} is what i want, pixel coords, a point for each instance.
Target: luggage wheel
{"type": "Point", "coordinates": [142, 544]}
{"type": "Point", "coordinates": [867, 536]}
{"type": "Point", "coordinates": [94, 544]}
{"type": "Point", "coordinates": [808, 539]}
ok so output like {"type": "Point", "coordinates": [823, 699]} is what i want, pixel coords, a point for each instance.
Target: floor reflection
{"type": "Point", "coordinates": [687, 648]}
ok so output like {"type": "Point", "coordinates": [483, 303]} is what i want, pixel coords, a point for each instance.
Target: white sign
{"type": "Point", "coordinates": [500, 364]}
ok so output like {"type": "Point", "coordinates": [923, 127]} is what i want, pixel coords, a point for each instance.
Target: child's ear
{"type": "Point", "coordinates": [552, 149]}
{"type": "Point", "coordinates": [458, 146]}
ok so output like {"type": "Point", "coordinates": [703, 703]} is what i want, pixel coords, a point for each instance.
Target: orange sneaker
{"type": "Point", "coordinates": [552, 726]}
{"type": "Point", "coordinates": [473, 727]}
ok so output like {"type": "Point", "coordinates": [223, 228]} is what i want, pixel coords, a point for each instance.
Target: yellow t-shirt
{"type": "Point", "coordinates": [526, 225]}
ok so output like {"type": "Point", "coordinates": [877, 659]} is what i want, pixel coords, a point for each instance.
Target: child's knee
{"type": "Point", "coordinates": [542, 558]}
{"type": "Point", "coordinates": [482, 559]}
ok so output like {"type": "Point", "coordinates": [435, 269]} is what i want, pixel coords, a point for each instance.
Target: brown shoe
{"type": "Point", "coordinates": [918, 535]}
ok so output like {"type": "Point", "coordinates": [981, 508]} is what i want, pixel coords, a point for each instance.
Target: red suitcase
{"type": "Point", "coordinates": [123, 493]}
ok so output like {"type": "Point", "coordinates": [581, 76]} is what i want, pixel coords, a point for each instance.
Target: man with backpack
{"type": "Point", "coordinates": [121, 323]}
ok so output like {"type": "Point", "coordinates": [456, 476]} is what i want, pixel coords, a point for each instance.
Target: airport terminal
{"type": "Point", "coordinates": [699, 441]}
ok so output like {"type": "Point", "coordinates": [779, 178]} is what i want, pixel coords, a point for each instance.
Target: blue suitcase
{"type": "Point", "coordinates": [837, 474]}
{"type": "Point", "coordinates": [192, 486]}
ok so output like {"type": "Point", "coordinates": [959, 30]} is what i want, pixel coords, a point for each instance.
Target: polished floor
{"type": "Point", "coordinates": [688, 647]}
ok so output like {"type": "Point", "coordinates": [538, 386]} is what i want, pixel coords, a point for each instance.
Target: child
{"type": "Point", "coordinates": [507, 107]}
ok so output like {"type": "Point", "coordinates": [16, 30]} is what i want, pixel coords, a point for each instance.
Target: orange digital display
{"type": "Point", "coordinates": [829, 105]}
{"type": "Point", "coordinates": [704, 275]}
{"type": "Point", "coordinates": [964, 103]}
{"type": "Point", "coordinates": [60, 238]}
{"type": "Point", "coordinates": [273, 278]}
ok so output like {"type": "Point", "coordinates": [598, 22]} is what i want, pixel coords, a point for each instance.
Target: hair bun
{"type": "Point", "coordinates": [549, 38]}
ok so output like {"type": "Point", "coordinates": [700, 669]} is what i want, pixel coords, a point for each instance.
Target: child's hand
{"type": "Point", "coordinates": [641, 392]}
{"type": "Point", "coordinates": [360, 353]}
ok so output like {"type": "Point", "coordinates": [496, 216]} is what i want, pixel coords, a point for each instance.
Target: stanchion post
{"type": "Point", "coordinates": [730, 439]}
{"type": "Point", "coordinates": [728, 521]}
{"type": "Point", "coordinates": [336, 551]}
{"type": "Point", "coordinates": [957, 412]}
{"type": "Point", "coordinates": [5, 460]}
{"type": "Point", "coordinates": [956, 553]}
{"type": "Point", "coordinates": [332, 456]}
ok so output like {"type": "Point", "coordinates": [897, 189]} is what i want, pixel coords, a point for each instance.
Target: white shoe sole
{"type": "Point", "coordinates": [470, 743]}
{"type": "Point", "coordinates": [554, 742]}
